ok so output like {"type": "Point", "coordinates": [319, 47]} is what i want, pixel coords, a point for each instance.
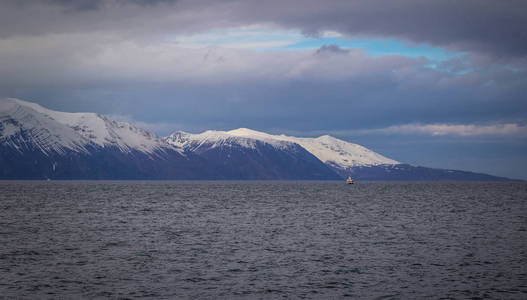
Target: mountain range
{"type": "Point", "coordinates": [38, 143]}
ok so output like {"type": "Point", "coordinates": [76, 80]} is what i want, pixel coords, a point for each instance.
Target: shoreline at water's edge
{"type": "Point", "coordinates": [262, 180]}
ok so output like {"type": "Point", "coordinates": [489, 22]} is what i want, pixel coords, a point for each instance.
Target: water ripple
{"type": "Point", "coordinates": [262, 240]}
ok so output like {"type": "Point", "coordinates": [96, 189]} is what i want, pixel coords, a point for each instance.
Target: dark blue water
{"type": "Point", "coordinates": [269, 240]}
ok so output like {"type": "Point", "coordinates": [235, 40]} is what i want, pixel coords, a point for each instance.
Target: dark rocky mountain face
{"type": "Point", "coordinates": [226, 163]}
{"type": "Point", "coordinates": [264, 162]}
{"type": "Point", "coordinates": [99, 163]}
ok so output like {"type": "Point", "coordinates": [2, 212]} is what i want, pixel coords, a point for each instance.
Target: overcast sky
{"type": "Point", "coordinates": [433, 83]}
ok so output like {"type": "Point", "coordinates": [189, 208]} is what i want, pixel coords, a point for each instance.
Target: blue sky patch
{"type": "Point", "coordinates": [280, 40]}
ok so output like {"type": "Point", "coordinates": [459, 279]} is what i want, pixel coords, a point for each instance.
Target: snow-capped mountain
{"type": "Point", "coordinates": [344, 158]}
{"type": "Point", "coordinates": [24, 122]}
{"type": "Point", "coordinates": [213, 139]}
{"type": "Point", "coordinates": [39, 143]}
{"type": "Point", "coordinates": [238, 157]}
{"type": "Point", "coordinates": [23, 126]}
{"type": "Point", "coordinates": [337, 154]}
{"type": "Point", "coordinates": [330, 150]}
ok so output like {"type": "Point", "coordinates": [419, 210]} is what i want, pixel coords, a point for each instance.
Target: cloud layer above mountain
{"type": "Point", "coordinates": [473, 25]}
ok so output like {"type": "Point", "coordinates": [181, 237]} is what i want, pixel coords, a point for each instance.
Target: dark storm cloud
{"type": "Point", "coordinates": [496, 27]}
{"type": "Point", "coordinates": [297, 91]}
{"type": "Point", "coordinates": [331, 49]}
{"type": "Point", "coordinates": [81, 5]}
{"type": "Point", "coordinates": [488, 26]}
{"type": "Point", "coordinates": [77, 5]}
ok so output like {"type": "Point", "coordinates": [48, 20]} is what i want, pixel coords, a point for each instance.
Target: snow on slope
{"type": "Point", "coordinates": [56, 131]}
{"type": "Point", "coordinates": [330, 150]}
{"type": "Point", "coordinates": [61, 130]}
{"type": "Point", "coordinates": [39, 130]}
{"type": "Point", "coordinates": [212, 139]}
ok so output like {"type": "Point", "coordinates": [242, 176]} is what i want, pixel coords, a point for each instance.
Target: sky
{"type": "Point", "coordinates": [432, 83]}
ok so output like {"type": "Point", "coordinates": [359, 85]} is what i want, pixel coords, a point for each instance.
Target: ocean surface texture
{"type": "Point", "coordinates": [262, 240]}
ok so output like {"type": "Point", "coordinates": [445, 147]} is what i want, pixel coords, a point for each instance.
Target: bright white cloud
{"type": "Point", "coordinates": [449, 129]}
{"type": "Point", "coordinates": [247, 37]}
{"type": "Point", "coordinates": [104, 58]}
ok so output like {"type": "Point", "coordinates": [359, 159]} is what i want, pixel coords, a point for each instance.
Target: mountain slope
{"type": "Point", "coordinates": [98, 163]}
{"type": "Point", "coordinates": [347, 159]}
{"type": "Point", "coordinates": [37, 143]}
{"type": "Point", "coordinates": [23, 128]}
{"type": "Point", "coordinates": [57, 131]}
{"type": "Point", "coordinates": [232, 157]}
{"type": "Point", "coordinates": [332, 151]}
{"type": "Point", "coordinates": [406, 172]}
{"type": "Point", "coordinates": [337, 154]}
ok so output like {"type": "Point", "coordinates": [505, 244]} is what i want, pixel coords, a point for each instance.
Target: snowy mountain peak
{"type": "Point", "coordinates": [213, 138]}
{"type": "Point", "coordinates": [328, 149]}
{"type": "Point", "coordinates": [327, 138]}
{"type": "Point", "coordinates": [178, 138]}
{"type": "Point", "coordinates": [57, 131]}
{"type": "Point", "coordinates": [22, 124]}
{"type": "Point", "coordinates": [278, 141]}
{"type": "Point", "coordinates": [246, 131]}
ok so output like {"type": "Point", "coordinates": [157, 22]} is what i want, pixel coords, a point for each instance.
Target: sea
{"type": "Point", "coordinates": [262, 240]}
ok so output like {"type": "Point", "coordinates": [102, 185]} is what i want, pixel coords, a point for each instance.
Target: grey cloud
{"type": "Point", "coordinates": [369, 96]}
{"type": "Point", "coordinates": [83, 5]}
{"type": "Point", "coordinates": [149, 80]}
{"type": "Point", "coordinates": [77, 5]}
{"type": "Point", "coordinates": [487, 26]}
{"type": "Point", "coordinates": [378, 92]}
{"type": "Point", "coordinates": [331, 49]}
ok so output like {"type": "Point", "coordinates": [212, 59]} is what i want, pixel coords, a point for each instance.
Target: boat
{"type": "Point", "coordinates": [349, 180]}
